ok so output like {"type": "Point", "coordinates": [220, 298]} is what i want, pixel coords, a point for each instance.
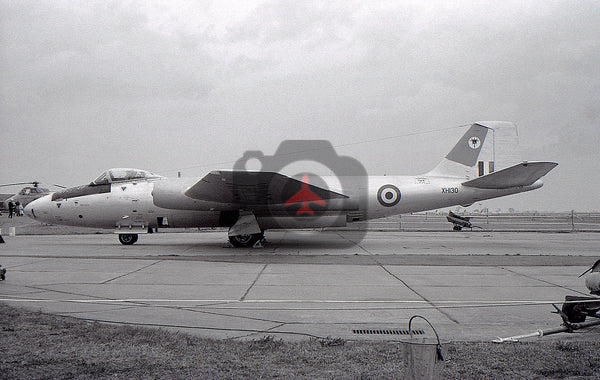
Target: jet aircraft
{"type": "Point", "coordinates": [133, 201]}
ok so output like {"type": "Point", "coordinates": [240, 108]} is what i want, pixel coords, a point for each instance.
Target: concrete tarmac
{"type": "Point", "coordinates": [472, 286]}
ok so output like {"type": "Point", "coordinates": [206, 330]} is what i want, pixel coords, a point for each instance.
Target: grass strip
{"type": "Point", "coordinates": [35, 345]}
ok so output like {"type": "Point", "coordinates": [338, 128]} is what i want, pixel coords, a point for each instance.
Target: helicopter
{"type": "Point", "coordinates": [27, 194]}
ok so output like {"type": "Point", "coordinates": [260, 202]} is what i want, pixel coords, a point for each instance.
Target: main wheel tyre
{"type": "Point", "coordinates": [128, 239]}
{"type": "Point", "coordinates": [245, 240]}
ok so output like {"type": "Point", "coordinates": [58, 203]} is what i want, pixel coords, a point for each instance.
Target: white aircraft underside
{"type": "Point", "coordinates": [132, 201]}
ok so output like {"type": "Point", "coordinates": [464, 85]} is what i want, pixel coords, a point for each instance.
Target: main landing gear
{"type": "Point", "coordinates": [247, 241]}
{"type": "Point", "coordinates": [128, 239]}
{"type": "Point", "coordinates": [242, 241]}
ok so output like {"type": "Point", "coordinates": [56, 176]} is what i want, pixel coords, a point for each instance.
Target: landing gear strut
{"type": "Point", "coordinates": [245, 240]}
{"type": "Point", "coordinates": [128, 239]}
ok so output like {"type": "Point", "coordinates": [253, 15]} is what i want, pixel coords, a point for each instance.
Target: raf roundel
{"type": "Point", "coordinates": [388, 195]}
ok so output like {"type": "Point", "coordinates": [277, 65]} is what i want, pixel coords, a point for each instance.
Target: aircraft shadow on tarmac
{"type": "Point", "coordinates": [277, 240]}
{"type": "Point", "coordinates": [217, 242]}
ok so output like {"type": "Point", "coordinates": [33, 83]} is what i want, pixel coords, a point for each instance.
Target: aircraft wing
{"type": "Point", "coordinates": [523, 174]}
{"type": "Point", "coordinates": [252, 188]}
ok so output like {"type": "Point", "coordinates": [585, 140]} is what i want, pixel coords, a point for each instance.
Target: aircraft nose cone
{"type": "Point", "coordinates": [34, 208]}
{"type": "Point", "coordinates": [592, 281]}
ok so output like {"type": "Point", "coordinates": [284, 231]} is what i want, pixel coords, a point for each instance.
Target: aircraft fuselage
{"type": "Point", "coordinates": [138, 205]}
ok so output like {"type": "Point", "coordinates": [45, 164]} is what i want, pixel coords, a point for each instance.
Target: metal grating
{"type": "Point", "coordinates": [388, 332]}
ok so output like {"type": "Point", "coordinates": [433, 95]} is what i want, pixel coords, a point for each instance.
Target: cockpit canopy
{"type": "Point", "coordinates": [32, 190]}
{"type": "Point", "coordinates": [123, 174]}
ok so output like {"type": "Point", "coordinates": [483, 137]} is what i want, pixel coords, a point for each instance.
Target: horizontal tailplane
{"type": "Point", "coordinates": [523, 174]}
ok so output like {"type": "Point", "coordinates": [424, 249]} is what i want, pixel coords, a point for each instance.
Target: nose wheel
{"type": "Point", "coordinates": [128, 239]}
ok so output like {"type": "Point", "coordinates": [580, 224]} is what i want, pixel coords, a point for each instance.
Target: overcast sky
{"type": "Point", "coordinates": [192, 85]}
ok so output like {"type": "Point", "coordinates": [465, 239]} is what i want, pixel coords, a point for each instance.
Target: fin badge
{"type": "Point", "coordinates": [474, 142]}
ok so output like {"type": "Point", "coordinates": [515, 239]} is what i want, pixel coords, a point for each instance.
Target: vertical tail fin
{"type": "Point", "coordinates": [467, 149]}
{"type": "Point", "coordinates": [463, 157]}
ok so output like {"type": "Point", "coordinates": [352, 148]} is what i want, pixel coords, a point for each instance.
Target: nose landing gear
{"type": "Point", "coordinates": [128, 239]}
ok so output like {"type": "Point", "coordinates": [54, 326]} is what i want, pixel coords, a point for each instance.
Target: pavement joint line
{"type": "Point", "coordinates": [243, 297]}
{"type": "Point", "coordinates": [93, 298]}
{"type": "Point", "coordinates": [209, 328]}
{"type": "Point", "coordinates": [398, 308]}
{"type": "Point", "coordinates": [419, 294]}
{"type": "Point", "coordinates": [544, 281]}
{"type": "Point", "coordinates": [405, 259]}
{"type": "Point", "coordinates": [41, 260]}
{"type": "Point", "coordinates": [199, 310]}
{"type": "Point", "coordinates": [139, 303]}
{"type": "Point", "coordinates": [270, 329]}
{"type": "Point", "coordinates": [132, 272]}
{"type": "Point", "coordinates": [402, 281]}
{"type": "Point", "coordinates": [30, 292]}
{"type": "Point", "coordinates": [69, 313]}
{"type": "Point", "coordinates": [194, 309]}
{"type": "Point", "coordinates": [460, 303]}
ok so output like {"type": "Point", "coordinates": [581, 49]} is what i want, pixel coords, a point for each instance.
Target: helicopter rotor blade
{"type": "Point", "coordinates": [17, 183]}
{"type": "Point", "coordinates": [34, 183]}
